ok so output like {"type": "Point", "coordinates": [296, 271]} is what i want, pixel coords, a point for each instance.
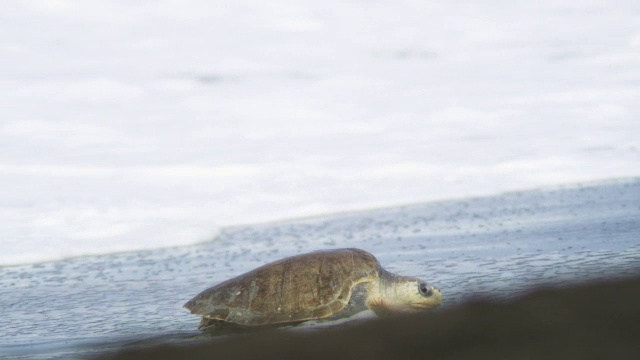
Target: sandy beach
{"type": "Point", "coordinates": [495, 248]}
{"type": "Point", "coordinates": [592, 321]}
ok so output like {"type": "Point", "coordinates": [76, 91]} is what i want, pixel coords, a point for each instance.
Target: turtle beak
{"type": "Point", "coordinates": [434, 300]}
{"type": "Point", "coordinates": [437, 296]}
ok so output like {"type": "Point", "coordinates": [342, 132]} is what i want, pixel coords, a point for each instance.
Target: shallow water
{"type": "Point", "coordinates": [496, 247]}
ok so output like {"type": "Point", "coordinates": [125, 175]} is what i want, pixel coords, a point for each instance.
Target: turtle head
{"type": "Point", "coordinates": [399, 294]}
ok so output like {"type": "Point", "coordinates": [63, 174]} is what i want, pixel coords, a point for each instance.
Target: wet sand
{"type": "Point", "coordinates": [497, 248]}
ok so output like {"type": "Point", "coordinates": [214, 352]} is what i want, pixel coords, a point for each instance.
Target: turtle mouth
{"type": "Point", "coordinates": [423, 306]}
{"type": "Point", "coordinates": [429, 303]}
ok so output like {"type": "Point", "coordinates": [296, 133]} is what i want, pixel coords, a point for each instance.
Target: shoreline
{"type": "Point", "coordinates": [498, 248]}
{"type": "Point", "coordinates": [355, 212]}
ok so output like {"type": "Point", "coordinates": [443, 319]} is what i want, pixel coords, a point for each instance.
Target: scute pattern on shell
{"type": "Point", "coordinates": [303, 287]}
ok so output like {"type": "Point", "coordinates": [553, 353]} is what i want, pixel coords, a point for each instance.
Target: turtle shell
{"type": "Point", "coordinates": [304, 287]}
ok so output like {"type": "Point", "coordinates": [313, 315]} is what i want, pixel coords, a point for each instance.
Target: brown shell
{"type": "Point", "coordinates": [299, 288]}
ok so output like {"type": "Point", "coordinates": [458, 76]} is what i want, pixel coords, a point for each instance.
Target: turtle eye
{"type": "Point", "coordinates": [425, 290]}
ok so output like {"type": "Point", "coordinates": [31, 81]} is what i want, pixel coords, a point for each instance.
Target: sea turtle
{"type": "Point", "coordinates": [326, 284]}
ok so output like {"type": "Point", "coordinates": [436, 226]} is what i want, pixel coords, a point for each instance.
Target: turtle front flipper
{"type": "Point", "coordinates": [205, 323]}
